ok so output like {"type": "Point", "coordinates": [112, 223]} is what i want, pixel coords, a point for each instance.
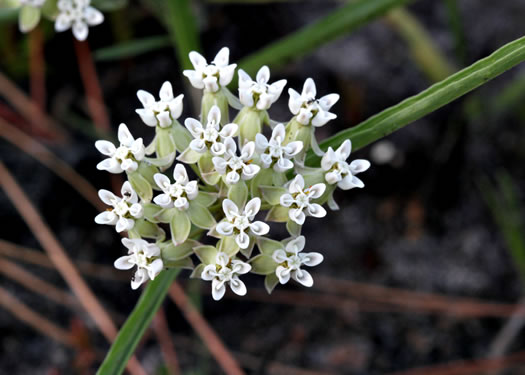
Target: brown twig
{"type": "Point", "coordinates": [59, 257]}
{"type": "Point", "coordinates": [213, 342]}
{"type": "Point", "coordinates": [94, 96]}
{"type": "Point", "coordinates": [162, 331]}
{"type": "Point", "coordinates": [29, 110]}
{"type": "Point", "coordinates": [42, 154]}
{"type": "Point", "coordinates": [38, 258]}
{"type": "Point", "coordinates": [36, 284]}
{"type": "Point", "coordinates": [35, 320]}
{"type": "Point", "coordinates": [37, 66]}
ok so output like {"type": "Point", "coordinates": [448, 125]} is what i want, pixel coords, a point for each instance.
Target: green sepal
{"type": "Point", "coordinates": [268, 246]}
{"type": "Point", "coordinates": [272, 194]}
{"type": "Point", "coordinates": [295, 131]}
{"type": "Point", "coordinates": [151, 210]}
{"type": "Point", "coordinates": [185, 263]}
{"type": "Point", "coordinates": [250, 123]}
{"type": "Point", "coordinates": [206, 253]}
{"type": "Point", "coordinates": [141, 185]}
{"type": "Point", "coordinates": [189, 156]}
{"type": "Point", "coordinates": [181, 136]}
{"type": "Point", "coordinates": [293, 228]}
{"type": "Point", "coordinates": [207, 169]}
{"type": "Point", "coordinates": [248, 251]}
{"type": "Point", "coordinates": [279, 178]}
{"type": "Point", "coordinates": [270, 282]}
{"type": "Point", "coordinates": [161, 162]}
{"type": "Point", "coordinates": [206, 199]}
{"type": "Point", "coordinates": [314, 176]}
{"type": "Point", "coordinates": [50, 9]}
{"type": "Point", "coordinates": [147, 171]}
{"type": "Point", "coordinates": [228, 245]}
{"type": "Point", "coordinates": [219, 98]}
{"type": "Point", "coordinates": [238, 193]}
{"type": "Point", "coordinates": [197, 272]}
{"type": "Point", "coordinates": [200, 216]}
{"type": "Point", "coordinates": [263, 264]}
{"type": "Point", "coordinates": [165, 215]}
{"type": "Point", "coordinates": [180, 226]}
{"type": "Point", "coordinates": [263, 178]}
{"type": "Point", "coordinates": [170, 252]}
{"type": "Point", "coordinates": [165, 143]}
{"type": "Point", "coordinates": [278, 214]}
{"type": "Point", "coordinates": [28, 18]}
{"type": "Point", "coordinates": [148, 230]}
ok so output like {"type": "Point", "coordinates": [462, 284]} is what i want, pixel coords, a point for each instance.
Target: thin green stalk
{"type": "Point", "coordinates": [183, 30]}
{"type": "Point", "coordinates": [436, 96]}
{"type": "Point", "coordinates": [132, 48]}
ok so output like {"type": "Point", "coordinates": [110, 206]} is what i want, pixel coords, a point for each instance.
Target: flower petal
{"type": "Point", "coordinates": [303, 277]}
{"type": "Point", "coordinates": [237, 286]}
{"type": "Point", "coordinates": [217, 289]}
{"type": "Point", "coordinates": [259, 228]}
{"type": "Point", "coordinates": [311, 259]}
{"type": "Point", "coordinates": [105, 147]}
{"type": "Point", "coordinates": [124, 263]}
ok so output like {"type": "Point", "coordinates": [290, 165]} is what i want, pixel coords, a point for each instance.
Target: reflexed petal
{"type": "Point", "coordinates": [231, 146]}
{"type": "Point", "coordinates": [145, 98]}
{"type": "Point", "coordinates": [124, 136]}
{"type": "Point", "coordinates": [80, 30]}
{"type": "Point", "coordinates": [130, 244]}
{"type": "Point", "coordinates": [139, 277]}
{"type": "Point", "coordinates": [286, 200]}
{"type": "Point", "coordinates": [252, 207]}
{"type": "Point", "coordinates": [137, 149]}
{"type": "Point", "coordinates": [179, 174]}
{"type": "Point", "coordinates": [166, 92]}
{"type": "Point", "coordinates": [263, 75]}
{"type": "Point", "coordinates": [328, 159]}
{"type": "Point", "coordinates": [347, 183]}
{"type": "Point", "coordinates": [327, 101]}
{"type": "Point", "coordinates": [150, 249]}
{"type": "Point", "coordinates": [163, 200]}
{"type": "Point", "coordinates": [108, 197]}
{"type": "Point", "coordinates": [316, 191]}
{"type": "Point", "coordinates": [209, 272]}
{"type": "Point", "coordinates": [220, 164]}
{"type": "Point", "coordinates": [279, 133]}
{"type": "Point", "coordinates": [154, 268]}
{"type": "Point", "coordinates": [311, 259]}
{"type": "Point", "coordinates": [279, 256]}
{"type": "Point", "coordinates": [226, 74]}
{"type": "Point", "coordinates": [237, 286]}
{"type": "Point", "coordinates": [293, 148]}
{"type": "Point", "coordinates": [230, 209]}
{"type": "Point", "coordinates": [194, 127]}
{"type": "Point", "coordinates": [243, 240]}
{"type": "Point", "coordinates": [245, 80]}
{"type": "Point", "coordinates": [147, 116]}
{"type": "Point", "coordinates": [297, 215]}
{"type": "Point", "coordinates": [343, 152]}
{"type": "Point", "coordinates": [276, 89]}
{"type": "Point", "coordinates": [127, 192]}
{"type": "Point", "coordinates": [246, 97]}
{"type": "Point", "coordinates": [197, 60]}
{"type": "Point", "coordinates": [93, 16]}
{"type": "Point", "coordinates": [222, 58]}
{"type": "Point", "coordinates": [283, 274]}
{"type": "Point", "coordinates": [124, 224]}
{"type": "Point", "coordinates": [195, 78]}
{"type": "Point", "coordinates": [322, 117]}
{"type": "Point", "coordinates": [106, 217]}
{"type": "Point", "coordinates": [217, 289]}
{"type": "Point", "coordinates": [62, 23]}
{"type": "Point", "coordinates": [261, 143]}
{"type": "Point", "coordinates": [214, 116]}
{"type": "Point", "coordinates": [229, 130]}
{"type": "Point", "coordinates": [316, 210]}
{"type": "Point", "coordinates": [136, 210]}
{"type": "Point", "coordinates": [359, 165]}
{"type": "Point", "coordinates": [297, 184]}
{"type": "Point", "coordinates": [249, 171]}
{"type": "Point", "coordinates": [224, 228]}
{"type": "Point", "coordinates": [162, 181]}
{"type": "Point", "coordinates": [248, 150]}
{"type": "Point", "coordinates": [309, 90]}
{"type": "Point", "coordinates": [111, 165]}
{"type": "Point", "coordinates": [175, 106]}
{"type": "Point", "coordinates": [124, 263]}
{"type": "Point", "coordinates": [303, 277]}
{"type": "Point", "coordinates": [296, 245]}
{"type": "Point", "coordinates": [259, 228]}
{"type": "Point", "coordinates": [105, 147]}
{"type": "Point", "coordinates": [222, 259]}
{"type": "Point", "coordinates": [240, 267]}
{"type": "Point", "coordinates": [295, 102]}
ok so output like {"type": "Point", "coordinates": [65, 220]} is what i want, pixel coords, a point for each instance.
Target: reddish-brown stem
{"type": "Point", "coordinates": [213, 342]}
{"type": "Point", "coordinates": [94, 96]}
{"type": "Point", "coordinates": [162, 331]}
{"type": "Point", "coordinates": [37, 68]}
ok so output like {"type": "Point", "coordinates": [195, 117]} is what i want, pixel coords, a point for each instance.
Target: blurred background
{"type": "Point", "coordinates": [424, 268]}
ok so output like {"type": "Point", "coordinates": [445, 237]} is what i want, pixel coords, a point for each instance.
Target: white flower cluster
{"type": "Point", "coordinates": [76, 15]}
{"type": "Point", "coordinates": [237, 173]}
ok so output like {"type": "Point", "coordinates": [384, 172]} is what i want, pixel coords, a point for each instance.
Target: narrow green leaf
{"type": "Point", "coordinates": [436, 96]}
{"type": "Point", "coordinates": [337, 23]}
{"type": "Point", "coordinates": [141, 185]}
{"type": "Point", "coordinates": [137, 323]}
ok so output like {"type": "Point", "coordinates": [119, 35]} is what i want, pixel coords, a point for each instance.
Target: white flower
{"type": "Point", "coordinates": [236, 167]}
{"type": "Point", "coordinates": [211, 137]}
{"type": "Point", "coordinates": [123, 158]}
{"type": "Point", "coordinates": [77, 15]}
{"type": "Point", "coordinates": [144, 255]}
{"type": "Point", "coordinates": [259, 93]}
{"type": "Point", "coordinates": [225, 271]}
{"type": "Point", "coordinates": [125, 210]}
{"type": "Point", "coordinates": [298, 199]}
{"type": "Point", "coordinates": [33, 3]}
{"type": "Point", "coordinates": [238, 223]}
{"type": "Point", "coordinates": [291, 259]}
{"type": "Point", "coordinates": [210, 77]}
{"type": "Point", "coordinates": [338, 171]}
{"type": "Point", "coordinates": [177, 193]}
{"type": "Point", "coordinates": [273, 151]}
{"type": "Point", "coordinates": [162, 112]}
{"type": "Point", "coordinates": [308, 109]}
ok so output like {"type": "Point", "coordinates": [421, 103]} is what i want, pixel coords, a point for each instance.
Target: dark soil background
{"type": "Point", "coordinates": [420, 224]}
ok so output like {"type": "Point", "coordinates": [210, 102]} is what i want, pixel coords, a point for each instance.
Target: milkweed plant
{"type": "Point", "coordinates": [207, 190]}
